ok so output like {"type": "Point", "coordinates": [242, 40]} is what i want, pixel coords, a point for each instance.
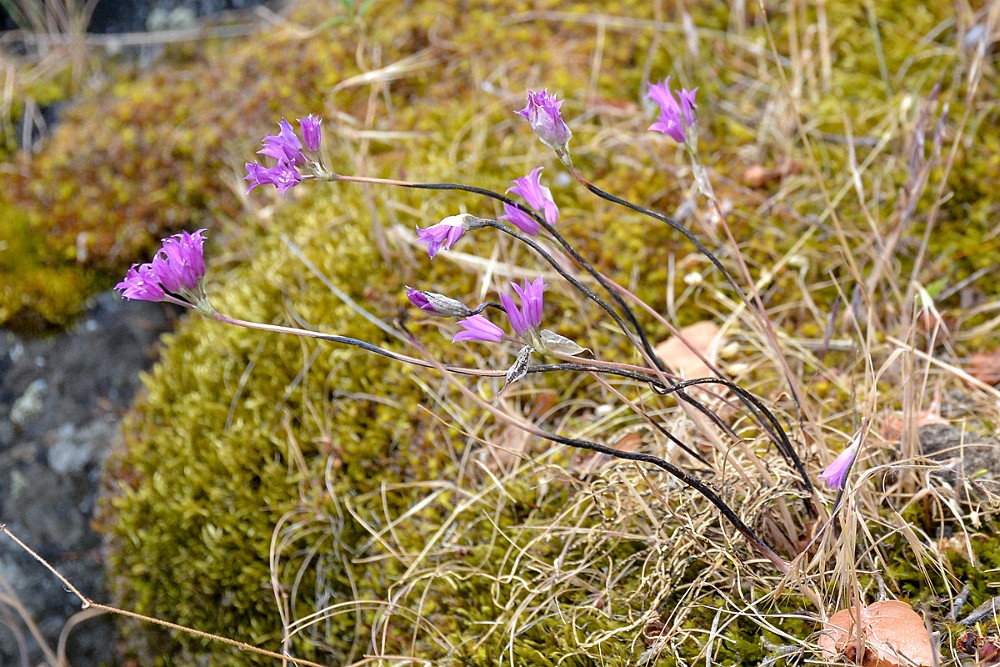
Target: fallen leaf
{"type": "Point", "coordinates": [682, 358]}
{"type": "Point", "coordinates": [887, 634]}
{"type": "Point", "coordinates": [985, 366]}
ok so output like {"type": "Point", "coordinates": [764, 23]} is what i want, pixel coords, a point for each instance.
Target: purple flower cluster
{"type": "Point", "coordinates": [177, 267]}
{"type": "Point", "coordinates": [286, 148]}
{"type": "Point", "coordinates": [544, 116]}
{"type": "Point", "coordinates": [524, 320]}
{"type": "Point", "coordinates": [537, 197]}
{"type": "Point", "coordinates": [675, 119]}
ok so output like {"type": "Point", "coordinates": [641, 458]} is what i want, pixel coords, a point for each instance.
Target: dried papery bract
{"type": "Point", "coordinates": [887, 634]}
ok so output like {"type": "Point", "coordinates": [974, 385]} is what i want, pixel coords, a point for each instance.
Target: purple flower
{"type": "Point", "coordinates": [546, 120]}
{"type": "Point", "coordinates": [180, 263]}
{"type": "Point", "coordinates": [529, 316]}
{"type": "Point", "coordinates": [520, 219]}
{"type": "Point", "coordinates": [284, 146]}
{"type": "Point", "coordinates": [141, 283]}
{"type": "Point", "coordinates": [310, 132]}
{"type": "Point", "coordinates": [437, 304]}
{"type": "Point", "coordinates": [478, 327]}
{"type": "Point", "coordinates": [675, 118]}
{"type": "Point", "coordinates": [836, 473]}
{"type": "Point", "coordinates": [537, 197]}
{"type": "Point", "coordinates": [444, 235]}
{"type": "Point", "coordinates": [282, 176]}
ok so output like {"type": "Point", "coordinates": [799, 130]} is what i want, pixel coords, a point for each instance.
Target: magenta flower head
{"type": "Point", "coordinates": [546, 120]}
{"type": "Point", "coordinates": [180, 263]}
{"type": "Point", "coordinates": [675, 119]}
{"type": "Point", "coordinates": [141, 284]}
{"type": "Point", "coordinates": [528, 318]}
{"type": "Point", "coordinates": [836, 473]}
{"type": "Point", "coordinates": [282, 176]}
{"type": "Point", "coordinates": [478, 327]}
{"type": "Point", "coordinates": [286, 148]}
{"type": "Point", "coordinates": [177, 267]}
{"type": "Point", "coordinates": [437, 304]}
{"type": "Point", "coordinates": [537, 197]}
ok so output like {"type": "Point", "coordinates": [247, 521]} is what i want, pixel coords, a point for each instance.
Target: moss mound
{"type": "Point", "coordinates": [322, 500]}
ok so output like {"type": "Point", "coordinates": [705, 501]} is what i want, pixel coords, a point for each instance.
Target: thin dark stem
{"type": "Point", "coordinates": [604, 194]}
{"type": "Point", "coordinates": [777, 435]}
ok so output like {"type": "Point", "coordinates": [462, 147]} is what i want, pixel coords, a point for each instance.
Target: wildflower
{"type": "Point", "coordinates": [284, 146]}
{"type": "Point", "coordinates": [437, 304]}
{"type": "Point", "coordinates": [477, 327]}
{"type": "Point", "coordinates": [177, 267]}
{"type": "Point", "coordinates": [537, 197]}
{"type": "Point", "coordinates": [282, 176]}
{"type": "Point", "coordinates": [527, 319]}
{"type": "Point", "coordinates": [836, 473]}
{"type": "Point", "coordinates": [287, 149]}
{"type": "Point", "coordinates": [675, 119]}
{"type": "Point", "coordinates": [311, 136]}
{"type": "Point", "coordinates": [446, 233]}
{"type": "Point", "coordinates": [542, 112]}
{"type": "Point", "coordinates": [180, 263]}
{"type": "Point", "coordinates": [141, 283]}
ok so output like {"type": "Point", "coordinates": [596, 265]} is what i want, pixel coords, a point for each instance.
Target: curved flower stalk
{"type": "Point", "coordinates": [175, 274]}
{"type": "Point", "coordinates": [286, 148]}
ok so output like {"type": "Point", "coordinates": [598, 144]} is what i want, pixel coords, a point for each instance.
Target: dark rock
{"type": "Point", "coordinates": [61, 399]}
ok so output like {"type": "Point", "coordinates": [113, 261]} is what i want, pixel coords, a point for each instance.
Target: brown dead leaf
{"type": "Point", "coordinates": [892, 428]}
{"type": "Point", "coordinates": [704, 337]}
{"type": "Point", "coordinates": [757, 175]}
{"type": "Point", "coordinates": [887, 634]}
{"type": "Point", "coordinates": [985, 366]}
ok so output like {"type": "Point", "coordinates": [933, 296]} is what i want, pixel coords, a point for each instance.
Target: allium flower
{"type": "Point", "coordinates": [528, 318]}
{"type": "Point", "coordinates": [520, 219]}
{"type": "Point", "coordinates": [675, 118]}
{"type": "Point", "coordinates": [478, 327]}
{"type": "Point", "coordinates": [286, 148]}
{"type": "Point", "coordinates": [177, 267]}
{"type": "Point", "coordinates": [836, 473]}
{"type": "Point", "coordinates": [141, 283]}
{"type": "Point", "coordinates": [437, 304]}
{"type": "Point", "coordinates": [282, 176]}
{"type": "Point", "coordinates": [537, 197]}
{"type": "Point", "coordinates": [311, 135]}
{"type": "Point", "coordinates": [180, 263]}
{"type": "Point", "coordinates": [443, 235]}
{"type": "Point", "coordinates": [546, 120]}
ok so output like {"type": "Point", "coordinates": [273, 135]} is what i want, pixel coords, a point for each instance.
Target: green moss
{"type": "Point", "coordinates": [376, 495]}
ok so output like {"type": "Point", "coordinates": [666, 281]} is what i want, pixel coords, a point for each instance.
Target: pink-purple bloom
{"type": "Point", "coordinates": [545, 118]}
{"type": "Point", "coordinates": [141, 283]}
{"type": "Point", "coordinates": [537, 197]}
{"type": "Point", "coordinates": [836, 473]}
{"type": "Point", "coordinates": [311, 135]}
{"type": "Point", "coordinates": [286, 149]}
{"type": "Point", "coordinates": [529, 316]}
{"type": "Point", "coordinates": [675, 118]}
{"type": "Point", "coordinates": [443, 235]}
{"type": "Point", "coordinates": [478, 327]}
{"type": "Point", "coordinates": [177, 267]}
